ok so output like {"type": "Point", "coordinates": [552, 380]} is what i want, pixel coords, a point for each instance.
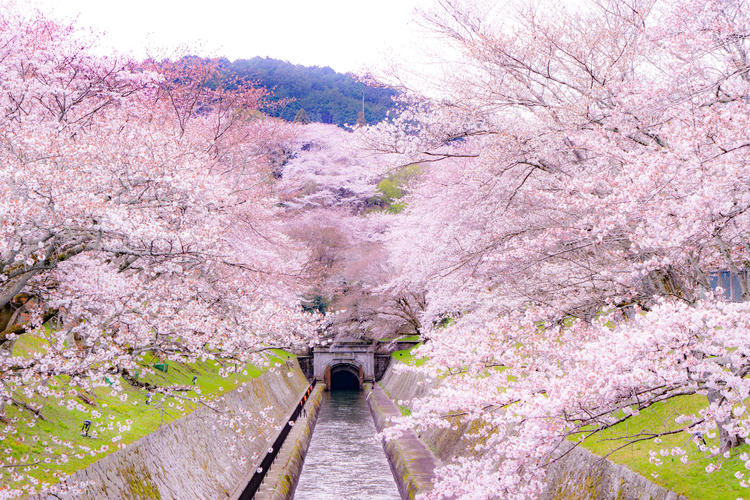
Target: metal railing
{"type": "Point", "coordinates": [265, 465]}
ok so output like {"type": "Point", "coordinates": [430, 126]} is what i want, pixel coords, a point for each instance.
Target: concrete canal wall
{"type": "Point", "coordinates": [195, 456]}
{"type": "Point", "coordinates": [412, 463]}
{"type": "Point", "coordinates": [580, 475]}
{"type": "Point", "coordinates": [282, 479]}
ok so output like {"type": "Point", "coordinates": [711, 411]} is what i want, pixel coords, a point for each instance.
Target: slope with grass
{"type": "Point", "coordinates": [209, 453]}
{"type": "Point", "coordinates": [52, 445]}
{"type": "Point", "coordinates": [684, 476]}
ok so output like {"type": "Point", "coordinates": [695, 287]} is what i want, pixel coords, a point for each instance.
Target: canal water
{"type": "Point", "coordinates": [345, 461]}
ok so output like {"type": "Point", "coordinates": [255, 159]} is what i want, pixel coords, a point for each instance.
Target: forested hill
{"type": "Point", "coordinates": [325, 95]}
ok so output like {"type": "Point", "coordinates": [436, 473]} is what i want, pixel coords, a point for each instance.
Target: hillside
{"type": "Point", "coordinates": [325, 95]}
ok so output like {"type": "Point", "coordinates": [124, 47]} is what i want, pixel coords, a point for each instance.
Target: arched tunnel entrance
{"type": "Point", "coordinates": [344, 377]}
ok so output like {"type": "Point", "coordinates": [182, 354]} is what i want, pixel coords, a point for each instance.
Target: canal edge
{"type": "Point", "coordinates": [282, 478]}
{"type": "Point", "coordinates": [412, 463]}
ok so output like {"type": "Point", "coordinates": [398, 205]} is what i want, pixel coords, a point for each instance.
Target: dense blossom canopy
{"type": "Point", "coordinates": [588, 177]}
{"type": "Point", "coordinates": [135, 215]}
{"type": "Point", "coordinates": [582, 188]}
{"type": "Point", "coordinates": [333, 197]}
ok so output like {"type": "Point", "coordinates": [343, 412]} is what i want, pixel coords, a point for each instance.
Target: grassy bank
{"type": "Point", "coordinates": [407, 356]}
{"type": "Point", "coordinates": [690, 478]}
{"type": "Point", "coordinates": [53, 446]}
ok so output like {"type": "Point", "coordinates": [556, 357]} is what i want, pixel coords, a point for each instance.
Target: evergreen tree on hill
{"type": "Point", "coordinates": [301, 116]}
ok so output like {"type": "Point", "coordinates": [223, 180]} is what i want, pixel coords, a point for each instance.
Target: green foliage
{"type": "Point", "coordinates": [445, 322]}
{"type": "Point", "coordinates": [392, 187]}
{"type": "Point", "coordinates": [326, 96]}
{"type": "Point", "coordinates": [315, 302]}
{"type": "Point", "coordinates": [396, 208]}
{"type": "Point", "coordinates": [405, 410]}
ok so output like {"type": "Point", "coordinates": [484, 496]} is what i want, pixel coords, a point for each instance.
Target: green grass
{"type": "Point", "coordinates": [391, 189]}
{"type": "Point", "coordinates": [688, 479]}
{"type": "Point", "coordinates": [406, 356]}
{"type": "Point", "coordinates": [45, 441]}
{"type": "Point", "coordinates": [401, 338]}
{"type": "Point", "coordinates": [408, 338]}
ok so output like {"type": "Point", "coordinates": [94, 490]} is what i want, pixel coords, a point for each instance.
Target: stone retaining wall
{"type": "Point", "coordinates": [193, 457]}
{"type": "Point", "coordinates": [447, 444]}
{"type": "Point", "coordinates": [412, 463]}
{"type": "Point", "coordinates": [580, 475]}
{"type": "Point", "coordinates": [281, 480]}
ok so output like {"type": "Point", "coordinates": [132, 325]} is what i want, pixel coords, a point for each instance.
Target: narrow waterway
{"type": "Point", "coordinates": [345, 461]}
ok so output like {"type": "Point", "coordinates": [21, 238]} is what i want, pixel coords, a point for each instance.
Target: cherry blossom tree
{"type": "Point", "coordinates": [136, 215]}
{"type": "Point", "coordinates": [334, 207]}
{"type": "Point", "coordinates": [350, 268]}
{"type": "Point", "coordinates": [324, 171]}
{"type": "Point", "coordinates": [586, 175]}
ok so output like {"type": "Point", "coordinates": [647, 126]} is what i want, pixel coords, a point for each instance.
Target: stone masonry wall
{"type": "Point", "coordinates": [282, 478]}
{"type": "Point", "coordinates": [581, 475]}
{"type": "Point", "coordinates": [585, 476]}
{"type": "Point", "coordinates": [192, 457]}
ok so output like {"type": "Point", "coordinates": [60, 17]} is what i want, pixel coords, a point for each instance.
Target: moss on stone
{"type": "Point", "coordinates": [140, 483]}
{"type": "Point", "coordinates": [580, 488]}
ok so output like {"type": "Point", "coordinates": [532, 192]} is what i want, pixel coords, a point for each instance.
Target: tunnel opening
{"type": "Point", "coordinates": [344, 378]}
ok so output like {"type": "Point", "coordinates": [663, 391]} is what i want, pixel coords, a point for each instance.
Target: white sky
{"type": "Point", "coordinates": [348, 35]}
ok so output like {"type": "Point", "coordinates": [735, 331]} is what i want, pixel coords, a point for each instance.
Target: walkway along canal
{"type": "Point", "coordinates": [345, 460]}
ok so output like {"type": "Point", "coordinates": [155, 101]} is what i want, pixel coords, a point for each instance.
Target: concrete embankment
{"type": "Point", "coordinates": [412, 463]}
{"type": "Point", "coordinates": [281, 480]}
{"type": "Point", "coordinates": [580, 475]}
{"type": "Point", "coordinates": [206, 454]}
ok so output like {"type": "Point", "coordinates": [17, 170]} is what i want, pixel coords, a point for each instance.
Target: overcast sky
{"type": "Point", "coordinates": [348, 35]}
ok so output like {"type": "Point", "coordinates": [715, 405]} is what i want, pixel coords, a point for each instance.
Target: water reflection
{"type": "Point", "coordinates": [344, 460]}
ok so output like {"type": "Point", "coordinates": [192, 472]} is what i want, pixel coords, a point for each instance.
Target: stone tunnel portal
{"type": "Point", "coordinates": [344, 377]}
{"type": "Point", "coordinates": [347, 363]}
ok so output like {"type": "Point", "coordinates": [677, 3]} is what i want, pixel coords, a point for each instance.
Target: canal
{"type": "Point", "coordinates": [345, 460]}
